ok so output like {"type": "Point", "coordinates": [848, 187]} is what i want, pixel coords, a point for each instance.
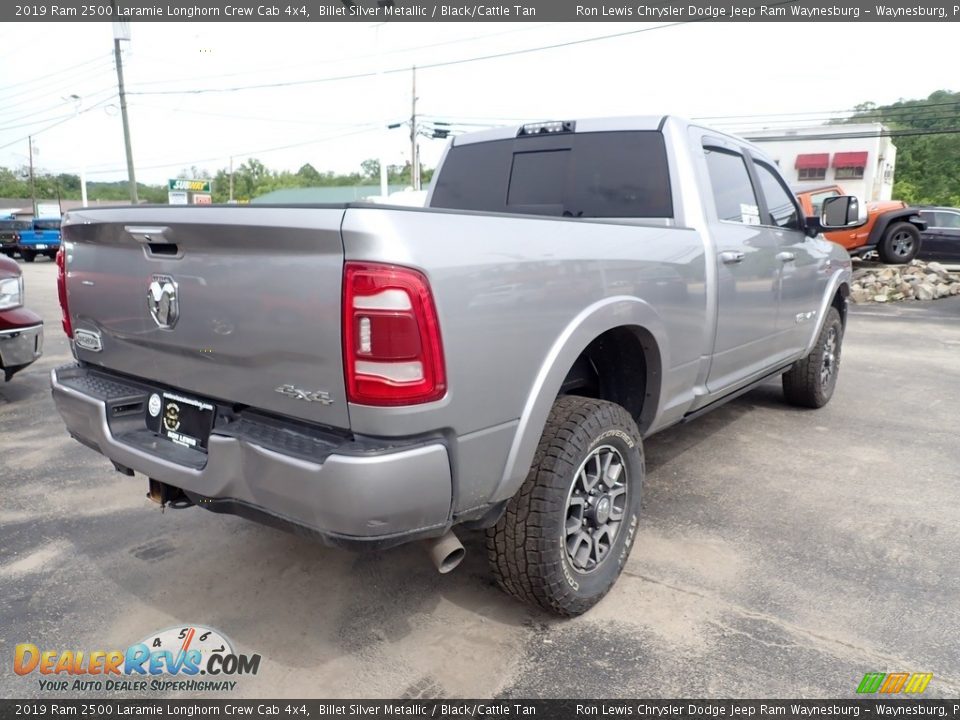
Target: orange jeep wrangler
{"type": "Point", "coordinates": [892, 230]}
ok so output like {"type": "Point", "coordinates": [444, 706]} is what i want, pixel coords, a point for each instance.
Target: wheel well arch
{"type": "Point", "coordinates": [839, 301]}
{"type": "Point", "coordinates": [621, 365]}
{"type": "Point", "coordinates": [891, 217]}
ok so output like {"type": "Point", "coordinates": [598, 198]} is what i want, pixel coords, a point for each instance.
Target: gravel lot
{"type": "Point", "coordinates": [783, 553]}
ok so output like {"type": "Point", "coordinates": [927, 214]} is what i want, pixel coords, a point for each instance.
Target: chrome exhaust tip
{"type": "Point", "coordinates": [445, 552]}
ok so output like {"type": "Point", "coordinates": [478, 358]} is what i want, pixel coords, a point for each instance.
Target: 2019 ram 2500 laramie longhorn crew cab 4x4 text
{"type": "Point", "coordinates": [374, 375]}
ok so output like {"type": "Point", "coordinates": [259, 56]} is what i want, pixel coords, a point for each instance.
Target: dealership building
{"type": "Point", "coordinates": [859, 158]}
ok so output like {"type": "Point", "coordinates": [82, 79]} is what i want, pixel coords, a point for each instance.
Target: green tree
{"type": "Point", "coordinates": [928, 161]}
{"type": "Point", "coordinates": [309, 175]}
{"type": "Point", "coordinates": [370, 169]}
{"type": "Point", "coordinates": [251, 179]}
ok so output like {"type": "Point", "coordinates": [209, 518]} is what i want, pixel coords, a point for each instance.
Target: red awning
{"type": "Point", "coordinates": [850, 160]}
{"type": "Point", "coordinates": [813, 160]}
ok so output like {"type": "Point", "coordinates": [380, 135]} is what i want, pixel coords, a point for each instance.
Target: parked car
{"type": "Point", "coordinates": [375, 375]}
{"type": "Point", "coordinates": [10, 230]}
{"type": "Point", "coordinates": [941, 240]}
{"type": "Point", "coordinates": [21, 331]}
{"type": "Point", "coordinates": [892, 229]}
{"type": "Point", "coordinates": [41, 238]}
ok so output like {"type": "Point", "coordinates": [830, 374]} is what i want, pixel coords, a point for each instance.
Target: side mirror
{"type": "Point", "coordinates": [842, 211]}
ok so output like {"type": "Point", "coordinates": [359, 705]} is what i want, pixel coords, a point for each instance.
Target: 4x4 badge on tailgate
{"type": "Point", "coordinates": [296, 393]}
{"type": "Point", "coordinates": [162, 301]}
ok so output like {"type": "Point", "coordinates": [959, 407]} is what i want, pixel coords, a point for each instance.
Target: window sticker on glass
{"type": "Point", "coordinates": [749, 214]}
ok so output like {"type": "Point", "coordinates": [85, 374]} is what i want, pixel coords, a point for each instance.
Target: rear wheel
{"type": "Point", "coordinates": [567, 533]}
{"type": "Point", "coordinates": [28, 255]}
{"type": "Point", "coordinates": [900, 243]}
{"type": "Point", "coordinates": [810, 382]}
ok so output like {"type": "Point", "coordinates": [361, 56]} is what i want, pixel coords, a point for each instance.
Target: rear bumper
{"type": "Point", "coordinates": [343, 491]}
{"type": "Point", "coordinates": [19, 347]}
{"type": "Point", "coordinates": [39, 248]}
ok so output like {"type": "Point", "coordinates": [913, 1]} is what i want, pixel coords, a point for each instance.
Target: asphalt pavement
{"type": "Point", "coordinates": [782, 553]}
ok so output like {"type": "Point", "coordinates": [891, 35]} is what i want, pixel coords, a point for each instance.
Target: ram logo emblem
{"type": "Point", "coordinates": [163, 301]}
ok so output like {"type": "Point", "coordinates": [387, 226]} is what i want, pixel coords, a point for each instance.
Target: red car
{"type": "Point", "coordinates": [21, 331]}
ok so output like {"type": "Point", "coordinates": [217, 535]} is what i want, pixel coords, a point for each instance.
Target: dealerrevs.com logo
{"type": "Point", "coordinates": [167, 661]}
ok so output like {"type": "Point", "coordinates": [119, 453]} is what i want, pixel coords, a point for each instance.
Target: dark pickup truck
{"type": "Point", "coordinates": [10, 232]}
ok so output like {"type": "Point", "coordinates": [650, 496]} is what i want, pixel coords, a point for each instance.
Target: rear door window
{"type": "Point", "coordinates": [590, 175]}
{"type": "Point", "coordinates": [941, 219]}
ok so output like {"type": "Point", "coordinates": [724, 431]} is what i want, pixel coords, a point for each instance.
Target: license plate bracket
{"type": "Point", "coordinates": [183, 420]}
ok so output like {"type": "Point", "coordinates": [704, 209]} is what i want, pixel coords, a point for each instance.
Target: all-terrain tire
{"type": "Point", "coordinates": [28, 255]}
{"type": "Point", "coordinates": [899, 244]}
{"type": "Point", "coordinates": [810, 382]}
{"type": "Point", "coordinates": [528, 548]}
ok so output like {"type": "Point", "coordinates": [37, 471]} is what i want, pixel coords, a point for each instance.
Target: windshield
{"type": "Point", "coordinates": [46, 224]}
{"type": "Point", "coordinates": [14, 225]}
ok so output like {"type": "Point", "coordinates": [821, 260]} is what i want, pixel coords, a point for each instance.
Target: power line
{"type": "Point", "coordinates": [46, 109]}
{"type": "Point", "coordinates": [860, 135]}
{"type": "Point", "coordinates": [70, 69]}
{"type": "Point", "coordinates": [79, 75]}
{"type": "Point", "coordinates": [36, 122]}
{"type": "Point", "coordinates": [249, 153]}
{"type": "Point", "coordinates": [428, 66]}
{"type": "Point", "coordinates": [53, 125]}
{"type": "Point", "coordinates": [233, 116]}
{"type": "Point", "coordinates": [896, 108]}
{"type": "Point", "coordinates": [784, 125]}
{"type": "Point", "coordinates": [395, 51]}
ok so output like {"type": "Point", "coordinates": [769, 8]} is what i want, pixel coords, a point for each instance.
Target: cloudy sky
{"type": "Point", "coordinates": [741, 75]}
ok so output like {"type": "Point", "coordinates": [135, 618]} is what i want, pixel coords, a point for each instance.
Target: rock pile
{"type": "Point", "coordinates": [919, 280]}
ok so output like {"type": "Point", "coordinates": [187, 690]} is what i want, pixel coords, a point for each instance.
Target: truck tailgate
{"type": "Point", "coordinates": [238, 304]}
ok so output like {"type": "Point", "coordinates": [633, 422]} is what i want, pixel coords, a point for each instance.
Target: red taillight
{"type": "Point", "coordinates": [392, 352]}
{"type": "Point", "coordinates": [62, 293]}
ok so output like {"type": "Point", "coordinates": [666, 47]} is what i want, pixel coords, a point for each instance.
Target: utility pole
{"type": "Point", "coordinates": [33, 189]}
{"type": "Point", "coordinates": [131, 176]}
{"type": "Point", "coordinates": [414, 155]}
{"type": "Point", "coordinates": [384, 179]}
{"type": "Point", "coordinates": [231, 178]}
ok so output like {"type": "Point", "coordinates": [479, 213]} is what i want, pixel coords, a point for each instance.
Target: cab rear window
{"type": "Point", "coordinates": [590, 175]}
{"type": "Point", "coordinates": [14, 225]}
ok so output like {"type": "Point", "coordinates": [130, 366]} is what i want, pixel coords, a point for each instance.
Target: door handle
{"type": "Point", "coordinates": [786, 256]}
{"type": "Point", "coordinates": [731, 256]}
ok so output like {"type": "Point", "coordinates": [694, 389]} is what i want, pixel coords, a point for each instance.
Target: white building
{"type": "Point", "coordinates": [856, 157]}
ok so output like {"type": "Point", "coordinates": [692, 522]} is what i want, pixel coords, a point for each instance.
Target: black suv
{"type": "Point", "coordinates": [941, 240]}
{"type": "Point", "coordinates": [10, 230]}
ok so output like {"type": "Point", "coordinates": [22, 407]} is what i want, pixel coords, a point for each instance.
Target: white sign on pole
{"type": "Point", "coordinates": [177, 198]}
{"type": "Point", "coordinates": [48, 210]}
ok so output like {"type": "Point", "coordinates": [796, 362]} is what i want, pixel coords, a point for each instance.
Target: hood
{"type": "Point", "coordinates": [882, 206]}
{"type": "Point", "coordinates": [8, 267]}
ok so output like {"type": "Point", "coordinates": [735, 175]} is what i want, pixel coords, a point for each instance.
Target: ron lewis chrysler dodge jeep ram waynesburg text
{"type": "Point", "coordinates": [373, 375]}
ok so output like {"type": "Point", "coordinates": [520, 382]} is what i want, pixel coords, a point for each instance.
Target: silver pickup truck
{"type": "Point", "coordinates": [372, 375]}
